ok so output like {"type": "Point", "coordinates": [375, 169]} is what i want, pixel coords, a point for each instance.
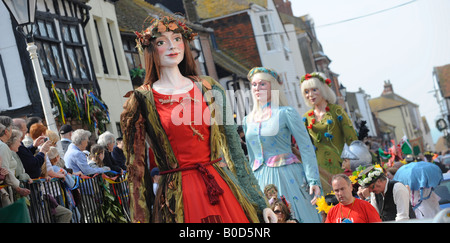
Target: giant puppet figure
{"type": "Point", "coordinates": [182, 117]}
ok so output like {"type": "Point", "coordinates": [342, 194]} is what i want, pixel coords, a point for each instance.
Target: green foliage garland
{"type": "Point", "coordinates": [111, 208]}
{"type": "Point", "coordinates": [69, 107]}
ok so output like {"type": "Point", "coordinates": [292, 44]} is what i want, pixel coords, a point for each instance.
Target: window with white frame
{"type": "Point", "coordinates": [285, 47]}
{"type": "Point", "coordinates": [114, 49]}
{"type": "Point", "coordinates": [131, 52]}
{"type": "Point", "coordinates": [268, 32]}
{"type": "Point", "coordinates": [49, 50]}
{"type": "Point", "coordinates": [100, 48]}
{"type": "Point", "coordinates": [74, 49]}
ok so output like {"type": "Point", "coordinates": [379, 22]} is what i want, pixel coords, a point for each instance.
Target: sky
{"type": "Point", "coordinates": [402, 45]}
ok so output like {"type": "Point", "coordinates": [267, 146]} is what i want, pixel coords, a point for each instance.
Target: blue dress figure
{"type": "Point", "coordinates": [268, 130]}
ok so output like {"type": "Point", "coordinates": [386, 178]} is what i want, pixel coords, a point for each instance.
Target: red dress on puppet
{"type": "Point", "coordinates": [186, 121]}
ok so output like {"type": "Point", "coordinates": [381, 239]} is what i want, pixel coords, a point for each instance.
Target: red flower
{"type": "Point", "coordinates": [310, 126]}
{"type": "Point", "coordinates": [313, 121]}
{"type": "Point", "coordinates": [308, 76]}
{"type": "Point", "coordinates": [311, 113]}
{"type": "Point", "coordinates": [327, 108]}
{"type": "Point", "coordinates": [328, 81]}
{"type": "Point", "coordinates": [139, 35]}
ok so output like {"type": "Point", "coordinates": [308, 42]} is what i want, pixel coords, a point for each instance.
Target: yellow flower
{"type": "Point", "coordinates": [322, 205]}
{"type": "Point", "coordinates": [354, 179]}
{"type": "Point", "coordinates": [378, 166]}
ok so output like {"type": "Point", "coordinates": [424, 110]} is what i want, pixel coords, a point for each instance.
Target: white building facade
{"type": "Point", "coordinates": [278, 49]}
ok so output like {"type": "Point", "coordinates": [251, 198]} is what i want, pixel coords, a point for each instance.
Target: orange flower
{"type": "Point", "coordinates": [173, 26]}
{"type": "Point", "coordinates": [161, 27]}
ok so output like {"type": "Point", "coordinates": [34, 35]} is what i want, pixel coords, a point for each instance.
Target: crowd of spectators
{"type": "Point", "coordinates": [30, 151]}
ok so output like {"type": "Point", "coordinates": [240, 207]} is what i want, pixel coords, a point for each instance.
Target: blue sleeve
{"type": "Point", "coordinates": [82, 163]}
{"type": "Point", "coordinates": [296, 126]}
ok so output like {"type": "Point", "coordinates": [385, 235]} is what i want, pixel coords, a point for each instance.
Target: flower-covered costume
{"type": "Point", "coordinates": [329, 136]}
{"type": "Point", "coordinates": [231, 195]}
{"type": "Point", "coordinates": [272, 160]}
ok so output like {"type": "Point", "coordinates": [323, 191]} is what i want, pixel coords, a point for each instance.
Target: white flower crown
{"type": "Point", "coordinates": [369, 175]}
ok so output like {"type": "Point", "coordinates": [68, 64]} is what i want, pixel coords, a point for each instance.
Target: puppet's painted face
{"type": "Point", "coordinates": [261, 88]}
{"type": "Point", "coordinates": [170, 48]}
{"type": "Point", "coordinates": [314, 96]}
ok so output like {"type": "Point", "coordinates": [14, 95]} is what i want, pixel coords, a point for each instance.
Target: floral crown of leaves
{"type": "Point", "coordinates": [366, 176]}
{"type": "Point", "coordinates": [317, 75]}
{"type": "Point", "coordinates": [158, 26]}
{"type": "Point", "coordinates": [269, 71]}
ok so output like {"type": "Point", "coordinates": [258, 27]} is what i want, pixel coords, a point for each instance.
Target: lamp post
{"type": "Point", "coordinates": [24, 12]}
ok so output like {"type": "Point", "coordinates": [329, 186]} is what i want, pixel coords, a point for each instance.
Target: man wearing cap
{"type": "Point", "coordinates": [389, 197]}
{"type": "Point", "coordinates": [66, 135]}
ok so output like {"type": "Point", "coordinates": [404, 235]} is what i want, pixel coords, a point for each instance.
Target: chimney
{"type": "Point", "coordinates": [191, 10]}
{"type": "Point", "coordinates": [387, 88]}
{"type": "Point", "coordinates": [284, 6]}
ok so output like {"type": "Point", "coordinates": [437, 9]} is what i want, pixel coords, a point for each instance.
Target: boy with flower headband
{"type": "Point", "coordinates": [389, 197]}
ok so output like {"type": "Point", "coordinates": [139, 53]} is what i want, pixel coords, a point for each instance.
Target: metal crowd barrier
{"type": "Point", "coordinates": [98, 198]}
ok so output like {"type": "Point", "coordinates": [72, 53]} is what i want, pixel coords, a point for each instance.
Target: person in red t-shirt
{"type": "Point", "coordinates": [349, 209]}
